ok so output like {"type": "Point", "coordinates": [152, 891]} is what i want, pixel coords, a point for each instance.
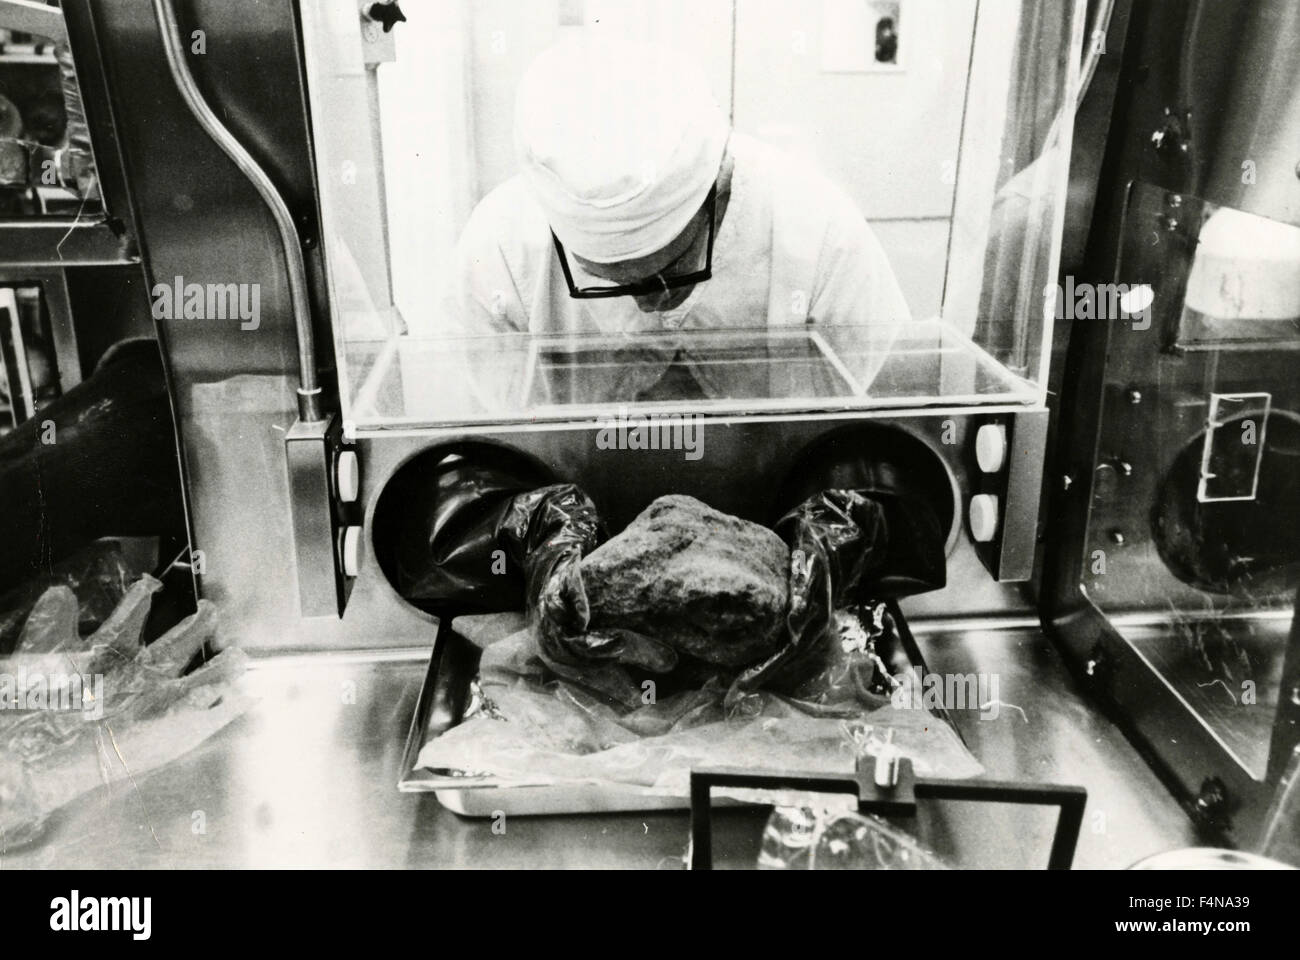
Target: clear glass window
{"type": "Point", "coordinates": [1191, 548]}
{"type": "Point", "coordinates": [47, 167]}
{"type": "Point", "coordinates": [29, 374]}
{"type": "Point", "coordinates": [943, 126]}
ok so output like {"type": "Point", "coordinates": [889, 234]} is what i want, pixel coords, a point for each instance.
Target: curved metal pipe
{"type": "Point", "coordinates": [309, 393]}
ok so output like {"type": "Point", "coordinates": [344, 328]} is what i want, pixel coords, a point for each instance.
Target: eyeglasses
{"type": "Point", "coordinates": [656, 284]}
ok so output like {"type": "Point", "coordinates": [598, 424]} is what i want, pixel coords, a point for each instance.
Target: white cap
{"type": "Point", "coordinates": [620, 142]}
{"type": "Point", "coordinates": [983, 515]}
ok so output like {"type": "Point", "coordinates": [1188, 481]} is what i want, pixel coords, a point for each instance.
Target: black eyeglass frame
{"type": "Point", "coordinates": [656, 284]}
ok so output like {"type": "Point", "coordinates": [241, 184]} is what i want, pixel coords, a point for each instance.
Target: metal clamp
{"type": "Point", "coordinates": [897, 800]}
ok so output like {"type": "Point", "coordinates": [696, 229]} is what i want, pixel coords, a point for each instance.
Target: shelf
{"type": "Point", "coordinates": [29, 59]}
{"type": "Point", "coordinates": [63, 242]}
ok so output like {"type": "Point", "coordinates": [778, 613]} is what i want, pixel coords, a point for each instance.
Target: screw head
{"type": "Point", "coordinates": [1096, 662]}
{"type": "Point", "coordinates": [1212, 800]}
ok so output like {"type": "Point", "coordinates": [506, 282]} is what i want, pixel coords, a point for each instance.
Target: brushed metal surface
{"type": "Point", "coordinates": [310, 450]}
{"type": "Point", "coordinates": [174, 49]}
{"type": "Point", "coordinates": [200, 219]}
{"type": "Point", "coordinates": [57, 241]}
{"type": "Point", "coordinates": [306, 779]}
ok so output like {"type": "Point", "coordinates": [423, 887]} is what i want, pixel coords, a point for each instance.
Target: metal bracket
{"type": "Point", "coordinates": [1010, 555]}
{"type": "Point", "coordinates": [897, 800]}
{"type": "Point", "coordinates": [311, 452]}
{"type": "Point", "coordinates": [377, 41]}
{"type": "Point", "coordinates": [1226, 409]}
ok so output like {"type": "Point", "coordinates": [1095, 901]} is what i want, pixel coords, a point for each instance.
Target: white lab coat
{"type": "Point", "coordinates": [792, 250]}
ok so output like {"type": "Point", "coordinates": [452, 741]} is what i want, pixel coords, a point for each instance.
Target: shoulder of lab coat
{"type": "Point", "coordinates": [829, 268]}
{"type": "Point", "coordinates": [495, 268]}
{"type": "Point", "coordinates": [487, 289]}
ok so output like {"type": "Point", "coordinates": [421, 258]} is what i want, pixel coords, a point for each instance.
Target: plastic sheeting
{"type": "Point", "coordinates": [76, 712]}
{"type": "Point", "coordinates": [525, 726]}
{"type": "Point", "coordinates": [802, 838]}
{"type": "Point", "coordinates": [843, 545]}
{"type": "Point", "coordinates": [439, 550]}
{"type": "Point", "coordinates": [556, 702]}
{"type": "Point", "coordinates": [98, 575]}
{"type": "Point", "coordinates": [548, 531]}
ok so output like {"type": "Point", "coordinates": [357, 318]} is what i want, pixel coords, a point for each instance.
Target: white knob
{"type": "Point", "coordinates": [991, 447]}
{"type": "Point", "coordinates": [351, 550]}
{"type": "Point", "coordinates": [983, 517]}
{"type": "Point", "coordinates": [1137, 298]}
{"type": "Point", "coordinates": [348, 476]}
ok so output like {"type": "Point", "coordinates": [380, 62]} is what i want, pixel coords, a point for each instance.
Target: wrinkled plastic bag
{"type": "Point", "coordinates": [846, 548]}
{"type": "Point", "coordinates": [524, 726]}
{"type": "Point", "coordinates": [547, 532]}
{"type": "Point", "coordinates": [557, 703]}
{"type": "Point", "coordinates": [443, 544]}
{"type": "Point", "coordinates": [805, 838]}
{"type": "Point", "coordinates": [137, 709]}
{"type": "Point", "coordinates": [98, 576]}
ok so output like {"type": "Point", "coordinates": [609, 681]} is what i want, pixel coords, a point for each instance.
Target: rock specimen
{"type": "Point", "coordinates": [711, 585]}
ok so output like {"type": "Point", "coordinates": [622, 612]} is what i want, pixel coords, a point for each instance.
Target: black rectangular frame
{"type": "Point", "coordinates": [900, 799]}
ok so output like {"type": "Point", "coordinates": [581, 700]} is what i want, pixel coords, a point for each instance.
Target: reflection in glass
{"type": "Point", "coordinates": [1192, 546]}
{"type": "Point", "coordinates": [409, 382]}
{"type": "Point", "coordinates": [881, 238]}
{"type": "Point", "coordinates": [46, 164]}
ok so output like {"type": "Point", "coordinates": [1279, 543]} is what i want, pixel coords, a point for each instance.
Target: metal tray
{"type": "Point", "coordinates": [441, 706]}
